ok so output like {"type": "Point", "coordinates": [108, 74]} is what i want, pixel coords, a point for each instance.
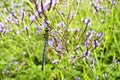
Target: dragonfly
{"type": "Point", "coordinates": [46, 35]}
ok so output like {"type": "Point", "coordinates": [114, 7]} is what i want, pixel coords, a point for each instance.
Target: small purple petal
{"type": "Point", "coordinates": [19, 31]}
{"type": "Point", "coordinates": [61, 24]}
{"type": "Point", "coordinates": [33, 18]}
{"type": "Point", "coordinates": [113, 2]}
{"type": "Point", "coordinates": [14, 21]}
{"type": "Point", "coordinates": [55, 61]}
{"type": "Point", "coordinates": [1, 25]}
{"type": "Point", "coordinates": [98, 35]}
{"type": "Point", "coordinates": [77, 78]}
{"type": "Point", "coordinates": [51, 43]}
{"type": "Point", "coordinates": [26, 28]}
{"type": "Point", "coordinates": [45, 24]}
{"type": "Point", "coordinates": [95, 43]}
{"type": "Point", "coordinates": [86, 53]}
{"type": "Point", "coordinates": [105, 75]}
{"type": "Point", "coordinates": [54, 2]}
{"type": "Point", "coordinates": [86, 43]}
{"type": "Point", "coordinates": [83, 20]}
{"type": "Point", "coordinates": [38, 29]}
{"type": "Point", "coordinates": [59, 47]}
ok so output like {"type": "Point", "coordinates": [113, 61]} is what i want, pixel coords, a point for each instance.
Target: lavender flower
{"type": "Point", "coordinates": [15, 21]}
{"type": "Point", "coordinates": [4, 31]}
{"type": "Point", "coordinates": [60, 31]}
{"type": "Point", "coordinates": [59, 47]}
{"type": "Point", "coordinates": [86, 53]}
{"type": "Point", "coordinates": [9, 18]}
{"type": "Point", "coordinates": [61, 24]}
{"type": "Point", "coordinates": [86, 43]}
{"type": "Point", "coordinates": [40, 9]}
{"type": "Point", "coordinates": [51, 43]}
{"type": "Point", "coordinates": [47, 5]}
{"type": "Point", "coordinates": [45, 23]}
{"type": "Point", "coordinates": [39, 29]}
{"type": "Point", "coordinates": [92, 60]}
{"type": "Point", "coordinates": [98, 35]}
{"type": "Point", "coordinates": [26, 28]}
{"type": "Point", "coordinates": [77, 78]}
{"type": "Point", "coordinates": [22, 14]}
{"type": "Point", "coordinates": [55, 61]}
{"type": "Point", "coordinates": [1, 27]}
{"type": "Point", "coordinates": [54, 2]}
{"type": "Point", "coordinates": [95, 43]}
{"type": "Point", "coordinates": [113, 2]}
{"type": "Point", "coordinates": [33, 18]}
{"type": "Point", "coordinates": [105, 75]}
{"type": "Point", "coordinates": [87, 21]}
{"type": "Point", "coordinates": [19, 31]}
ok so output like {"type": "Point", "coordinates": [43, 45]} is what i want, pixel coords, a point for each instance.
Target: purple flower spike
{"type": "Point", "coordinates": [77, 78]}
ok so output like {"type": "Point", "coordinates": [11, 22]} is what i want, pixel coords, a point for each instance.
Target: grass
{"type": "Point", "coordinates": [21, 50]}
